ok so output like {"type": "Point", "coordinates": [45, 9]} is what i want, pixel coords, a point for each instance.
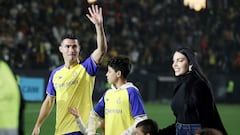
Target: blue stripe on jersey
{"type": "Point", "coordinates": [100, 106]}
{"type": "Point", "coordinates": [136, 102]}
{"type": "Point", "coordinates": [90, 66]}
{"type": "Point", "coordinates": [50, 88]}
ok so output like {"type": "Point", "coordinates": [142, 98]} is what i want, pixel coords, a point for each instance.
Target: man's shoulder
{"type": "Point", "coordinates": [58, 68]}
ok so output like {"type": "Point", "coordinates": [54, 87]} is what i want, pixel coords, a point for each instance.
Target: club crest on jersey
{"type": "Point", "coordinates": [59, 77]}
{"type": "Point", "coordinates": [107, 99]}
{"type": "Point", "coordinates": [119, 100]}
{"type": "Point", "coordinates": [75, 74]}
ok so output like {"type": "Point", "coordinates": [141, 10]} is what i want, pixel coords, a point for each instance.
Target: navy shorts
{"type": "Point", "coordinates": [186, 129]}
{"type": "Point", "coordinates": [74, 133]}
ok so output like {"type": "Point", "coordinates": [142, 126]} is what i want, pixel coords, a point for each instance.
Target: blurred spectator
{"type": "Point", "coordinates": [153, 28]}
{"type": "Point", "coordinates": [11, 102]}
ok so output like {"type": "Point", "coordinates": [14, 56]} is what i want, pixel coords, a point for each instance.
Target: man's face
{"type": "Point", "coordinates": [69, 49]}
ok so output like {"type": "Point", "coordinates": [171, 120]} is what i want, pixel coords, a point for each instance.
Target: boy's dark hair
{"type": "Point", "coordinates": [120, 63]}
{"type": "Point", "coordinates": [148, 126]}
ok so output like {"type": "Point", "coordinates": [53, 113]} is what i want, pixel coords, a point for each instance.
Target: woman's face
{"type": "Point", "coordinates": [180, 64]}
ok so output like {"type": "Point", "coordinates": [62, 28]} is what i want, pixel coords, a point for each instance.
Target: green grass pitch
{"type": "Point", "coordinates": [161, 113]}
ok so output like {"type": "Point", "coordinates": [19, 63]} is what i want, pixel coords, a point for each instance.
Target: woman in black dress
{"type": "Point", "coordinates": [193, 103]}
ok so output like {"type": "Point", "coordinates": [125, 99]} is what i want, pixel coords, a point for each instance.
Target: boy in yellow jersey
{"type": "Point", "coordinates": [121, 107]}
{"type": "Point", "coordinates": [72, 83]}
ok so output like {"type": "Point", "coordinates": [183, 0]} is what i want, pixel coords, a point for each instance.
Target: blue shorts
{"type": "Point", "coordinates": [74, 133]}
{"type": "Point", "coordinates": [186, 129]}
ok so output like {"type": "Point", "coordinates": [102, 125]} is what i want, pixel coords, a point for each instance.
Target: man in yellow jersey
{"type": "Point", "coordinates": [11, 102]}
{"type": "Point", "coordinates": [72, 83]}
{"type": "Point", "coordinates": [121, 107]}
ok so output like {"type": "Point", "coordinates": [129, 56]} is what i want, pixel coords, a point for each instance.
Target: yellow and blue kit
{"type": "Point", "coordinates": [119, 107]}
{"type": "Point", "coordinates": [72, 88]}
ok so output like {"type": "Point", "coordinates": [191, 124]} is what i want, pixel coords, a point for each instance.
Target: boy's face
{"type": "Point", "coordinates": [111, 75]}
{"type": "Point", "coordinates": [140, 132]}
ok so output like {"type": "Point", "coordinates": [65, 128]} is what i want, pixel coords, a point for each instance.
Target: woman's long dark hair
{"type": "Point", "coordinates": [196, 69]}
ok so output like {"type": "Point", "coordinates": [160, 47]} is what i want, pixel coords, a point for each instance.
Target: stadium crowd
{"type": "Point", "coordinates": [147, 31]}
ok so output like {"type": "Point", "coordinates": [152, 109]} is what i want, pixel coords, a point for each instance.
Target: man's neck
{"type": "Point", "coordinates": [71, 64]}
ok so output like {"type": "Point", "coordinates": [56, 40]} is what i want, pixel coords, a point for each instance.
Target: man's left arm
{"type": "Point", "coordinates": [96, 17]}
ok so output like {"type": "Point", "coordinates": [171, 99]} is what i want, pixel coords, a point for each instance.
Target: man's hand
{"type": "Point", "coordinates": [36, 131]}
{"type": "Point", "coordinates": [95, 15]}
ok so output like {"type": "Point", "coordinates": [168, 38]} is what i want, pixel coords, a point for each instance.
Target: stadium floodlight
{"type": "Point", "coordinates": [197, 5]}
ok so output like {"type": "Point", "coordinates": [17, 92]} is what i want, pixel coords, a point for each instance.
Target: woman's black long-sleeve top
{"type": "Point", "coordinates": [193, 103]}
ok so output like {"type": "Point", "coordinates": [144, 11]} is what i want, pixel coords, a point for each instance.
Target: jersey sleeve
{"type": "Point", "coordinates": [90, 66]}
{"type": "Point", "coordinates": [136, 102]}
{"type": "Point", "coordinates": [99, 107]}
{"type": "Point", "coordinates": [50, 88]}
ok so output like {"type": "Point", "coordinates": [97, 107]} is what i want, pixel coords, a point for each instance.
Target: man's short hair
{"type": "Point", "coordinates": [70, 36]}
